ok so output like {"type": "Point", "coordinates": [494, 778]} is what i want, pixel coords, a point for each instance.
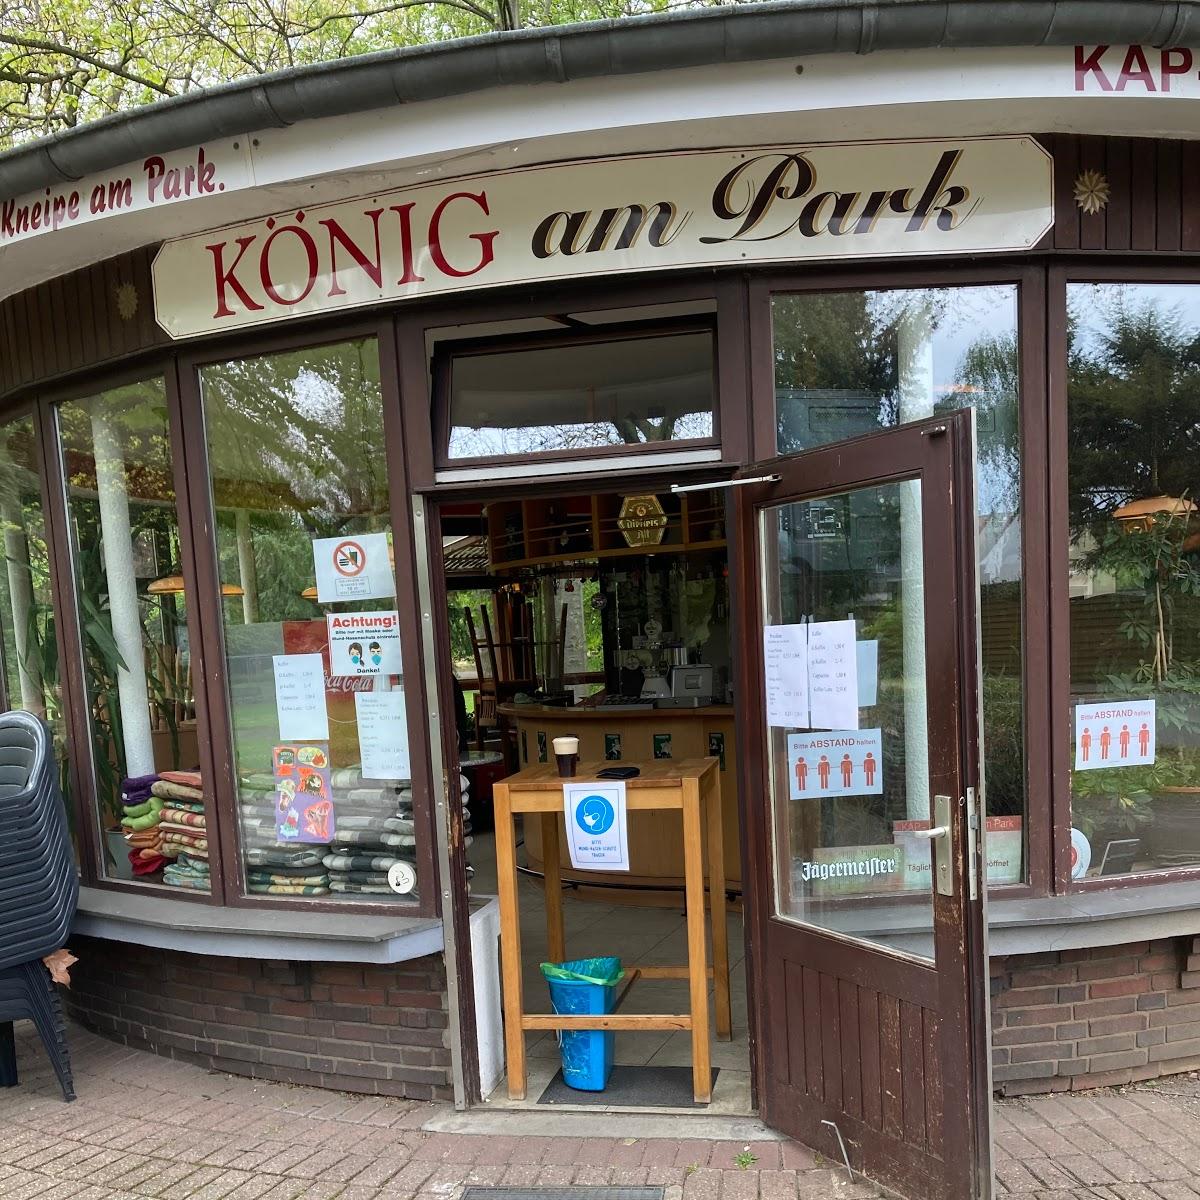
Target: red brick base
{"type": "Point", "coordinates": [375, 1029]}
{"type": "Point", "coordinates": [1073, 1019]}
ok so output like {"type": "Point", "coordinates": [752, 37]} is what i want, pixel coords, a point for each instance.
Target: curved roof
{"type": "Point", "coordinates": [556, 54]}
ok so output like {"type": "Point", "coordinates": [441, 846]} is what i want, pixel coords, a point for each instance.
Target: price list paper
{"type": "Point", "coordinates": [785, 659]}
{"type": "Point", "coordinates": [833, 675]}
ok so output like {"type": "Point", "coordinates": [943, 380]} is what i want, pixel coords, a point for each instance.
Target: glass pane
{"type": "Point", "coordinates": [562, 398]}
{"type": "Point", "coordinates": [844, 605]}
{"type": "Point", "coordinates": [26, 608]}
{"type": "Point", "coordinates": [312, 641]}
{"type": "Point", "coordinates": [849, 363]}
{"type": "Point", "coordinates": [1134, 510]}
{"type": "Point", "coordinates": [150, 797]}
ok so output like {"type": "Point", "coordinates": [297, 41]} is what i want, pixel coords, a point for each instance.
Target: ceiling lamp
{"type": "Point", "coordinates": [1140, 514]}
{"type": "Point", "coordinates": [172, 585]}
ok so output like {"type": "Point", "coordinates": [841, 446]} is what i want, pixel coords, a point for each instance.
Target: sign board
{"type": "Point", "coordinates": [693, 208]}
{"type": "Point", "coordinates": [642, 521]}
{"type": "Point", "coordinates": [353, 568]}
{"type": "Point", "coordinates": [597, 825]}
{"type": "Point", "coordinates": [846, 870]}
{"type": "Point", "coordinates": [842, 762]}
{"type": "Point", "coordinates": [1118, 733]}
{"type": "Point", "coordinates": [300, 696]}
{"type": "Point", "coordinates": [364, 643]}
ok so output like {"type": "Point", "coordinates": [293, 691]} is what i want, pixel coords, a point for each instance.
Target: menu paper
{"type": "Point", "coordinates": [383, 735]}
{"type": "Point", "coordinates": [833, 675]}
{"type": "Point", "coordinates": [300, 697]}
{"type": "Point", "coordinates": [785, 662]}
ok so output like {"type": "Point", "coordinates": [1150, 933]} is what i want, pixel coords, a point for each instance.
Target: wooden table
{"type": "Point", "coordinates": [691, 787]}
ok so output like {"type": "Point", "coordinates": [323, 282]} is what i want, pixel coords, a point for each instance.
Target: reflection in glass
{"type": "Point", "coordinates": [1134, 421]}
{"type": "Point", "coordinates": [150, 798]}
{"type": "Point", "coordinates": [26, 608]}
{"type": "Point", "coordinates": [299, 482]}
{"type": "Point", "coordinates": [849, 803]}
{"type": "Point", "coordinates": [850, 363]}
{"type": "Point", "coordinates": [557, 398]}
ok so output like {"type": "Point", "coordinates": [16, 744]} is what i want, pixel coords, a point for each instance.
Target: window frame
{"type": "Point", "coordinates": [446, 353]}
{"type": "Point", "coordinates": [1029, 280]}
{"type": "Point", "coordinates": [380, 327]}
{"type": "Point", "coordinates": [1082, 269]}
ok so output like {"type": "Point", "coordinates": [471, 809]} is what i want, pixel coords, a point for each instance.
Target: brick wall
{"type": "Point", "coordinates": [375, 1029]}
{"type": "Point", "coordinates": [1073, 1019]}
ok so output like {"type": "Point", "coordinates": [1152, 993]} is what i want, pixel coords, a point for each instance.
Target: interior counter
{"type": "Point", "coordinates": [632, 736]}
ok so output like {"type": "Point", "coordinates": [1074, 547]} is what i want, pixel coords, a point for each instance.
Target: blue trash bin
{"type": "Point", "coordinates": [586, 985]}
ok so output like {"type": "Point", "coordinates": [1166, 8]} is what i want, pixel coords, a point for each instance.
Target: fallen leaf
{"type": "Point", "coordinates": [59, 966]}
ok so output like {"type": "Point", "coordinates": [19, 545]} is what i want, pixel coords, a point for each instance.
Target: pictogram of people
{"type": "Point", "coordinates": [1105, 743]}
{"type": "Point", "coordinates": [847, 766]}
{"type": "Point", "coordinates": [869, 768]}
{"type": "Point", "coordinates": [1144, 740]}
{"type": "Point", "coordinates": [823, 772]}
{"type": "Point", "coordinates": [801, 774]}
{"type": "Point", "coordinates": [1085, 743]}
{"type": "Point", "coordinates": [1123, 741]}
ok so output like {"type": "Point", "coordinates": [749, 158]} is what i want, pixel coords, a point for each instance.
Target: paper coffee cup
{"type": "Point", "coordinates": [566, 745]}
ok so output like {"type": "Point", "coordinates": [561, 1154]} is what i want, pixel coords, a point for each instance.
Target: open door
{"type": "Point", "coordinates": [859, 590]}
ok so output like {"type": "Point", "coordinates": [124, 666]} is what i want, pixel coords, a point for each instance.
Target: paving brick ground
{"type": "Point", "coordinates": [146, 1127]}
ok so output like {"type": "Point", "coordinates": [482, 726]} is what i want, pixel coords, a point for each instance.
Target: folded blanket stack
{"type": "Point", "coordinates": [182, 829]}
{"type": "Point", "coordinates": [139, 824]}
{"type": "Point", "coordinates": [374, 831]}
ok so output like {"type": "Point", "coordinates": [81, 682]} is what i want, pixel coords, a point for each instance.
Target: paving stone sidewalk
{"type": "Point", "coordinates": [145, 1127]}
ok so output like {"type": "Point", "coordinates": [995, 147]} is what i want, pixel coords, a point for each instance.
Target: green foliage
{"type": "Point", "coordinates": [63, 62]}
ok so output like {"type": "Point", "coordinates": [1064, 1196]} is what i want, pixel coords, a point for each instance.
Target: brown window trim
{"type": "Point", "coordinates": [222, 749]}
{"type": "Point", "coordinates": [67, 618]}
{"type": "Point", "coordinates": [448, 352]}
{"type": "Point", "coordinates": [1098, 269]}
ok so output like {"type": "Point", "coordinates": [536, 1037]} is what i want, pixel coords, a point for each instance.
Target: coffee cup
{"type": "Point", "coordinates": [566, 754]}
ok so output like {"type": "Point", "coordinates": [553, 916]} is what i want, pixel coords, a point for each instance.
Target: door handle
{"type": "Point", "coordinates": [942, 838]}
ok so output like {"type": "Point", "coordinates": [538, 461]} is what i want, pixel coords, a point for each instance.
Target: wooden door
{"type": "Point", "coordinates": [858, 583]}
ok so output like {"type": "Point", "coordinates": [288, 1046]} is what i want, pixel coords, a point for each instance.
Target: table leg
{"type": "Point", "coordinates": [510, 942]}
{"type": "Point", "coordinates": [716, 899]}
{"type": "Point", "coordinates": [556, 938]}
{"type": "Point", "coordinates": [693, 870]}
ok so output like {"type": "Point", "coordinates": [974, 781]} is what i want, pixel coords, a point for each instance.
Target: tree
{"type": "Point", "coordinates": [63, 62]}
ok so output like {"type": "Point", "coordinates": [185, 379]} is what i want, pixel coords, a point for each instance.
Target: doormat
{"type": "Point", "coordinates": [563, 1193]}
{"type": "Point", "coordinates": [632, 1087]}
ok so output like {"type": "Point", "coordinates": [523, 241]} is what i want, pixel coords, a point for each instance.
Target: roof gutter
{"type": "Point", "coordinates": [558, 54]}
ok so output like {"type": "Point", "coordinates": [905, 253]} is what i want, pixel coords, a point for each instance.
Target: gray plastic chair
{"type": "Point", "coordinates": [40, 890]}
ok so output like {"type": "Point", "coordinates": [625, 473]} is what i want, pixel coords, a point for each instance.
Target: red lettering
{"type": "Point", "coordinates": [486, 240]}
{"type": "Point", "coordinates": [404, 211]}
{"type": "Point", "coordinates": [337, 235]}
{"type": "Point", "coordinates": [1090, 65]}
{"type": "Point", "coordinates": [7, 210]}
{"type": "Point", "coordinates": [155, 168]}
{"type": "Point", "coordinates": [228, 279]}
{"type": "Point", "coordinates": [1166, 67]}
{"type": "Point", "coordinates": [264, 262]}
{"type": "Point", "coordinates": [206, 174]}
{"type": "Point", "coordinates": [1135, 66]}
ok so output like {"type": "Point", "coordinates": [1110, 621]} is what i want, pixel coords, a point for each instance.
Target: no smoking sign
{"type": "Point", "coordinates": [357, 568]}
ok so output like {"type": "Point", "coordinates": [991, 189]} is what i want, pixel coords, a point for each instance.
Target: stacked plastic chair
{"type": "Point", "coordinates": [39, 889]}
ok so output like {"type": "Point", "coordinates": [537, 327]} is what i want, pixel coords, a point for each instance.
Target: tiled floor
{"type": "Point", "coordinates": [637, 935]}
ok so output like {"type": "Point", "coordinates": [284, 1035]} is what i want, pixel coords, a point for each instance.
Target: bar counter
{"type": "Point", "coordinates": [636, 735]}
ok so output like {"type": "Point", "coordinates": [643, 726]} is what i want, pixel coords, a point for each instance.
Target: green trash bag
{"type": "Point", "coordinates": [602, 971]}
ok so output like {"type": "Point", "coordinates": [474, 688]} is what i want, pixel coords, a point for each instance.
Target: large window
{"type": "Point", "coordinates": [312, 638]}
{"type": "Point", "coordinates": [152, 803]}
{"type": "Point", "coordinates": [849, 363]}
{"type": "Point", "coordinates": [1134, 510]}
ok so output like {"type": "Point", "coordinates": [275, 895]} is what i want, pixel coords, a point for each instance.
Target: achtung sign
{"type": "Point", "coordinates": [608, 216]}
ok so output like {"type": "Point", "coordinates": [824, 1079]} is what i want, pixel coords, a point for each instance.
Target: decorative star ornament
{"type": "Point", "coordinates": [126, 297]}
{"type": "Point", "coordinates": [1091, 191]}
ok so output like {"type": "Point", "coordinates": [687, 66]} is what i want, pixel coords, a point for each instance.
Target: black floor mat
{"type": "Point", "coordinates": [632, 1087]}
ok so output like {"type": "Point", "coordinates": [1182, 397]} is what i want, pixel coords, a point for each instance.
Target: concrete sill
{"type": "Point", "coordinates": [156, 920]}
